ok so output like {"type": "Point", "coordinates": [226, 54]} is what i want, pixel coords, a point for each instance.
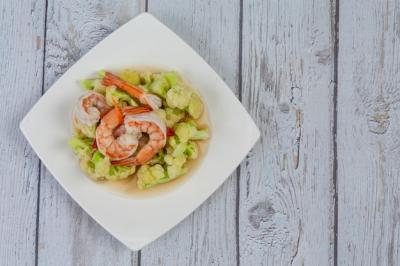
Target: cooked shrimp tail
{"type": "Point", "coordinates": [145, 98]}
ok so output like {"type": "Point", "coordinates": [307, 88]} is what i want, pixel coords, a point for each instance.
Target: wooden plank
{"type": "Point", "coordinates": [21, 59]}
{"type": "Point", "coordinates": [286, 189]}
{"type": "Point", "coordinates": [208, 235]}
{"type": "Point", "coordinates": [67, 235]}
{"type": "Point", "coordinates": [368, 133]}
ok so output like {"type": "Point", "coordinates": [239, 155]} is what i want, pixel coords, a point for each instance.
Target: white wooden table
{"type": "Point", "coordinates": [321, 79]}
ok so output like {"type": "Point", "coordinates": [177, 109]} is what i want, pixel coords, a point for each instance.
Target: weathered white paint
{"type": "Point", "coordinates": [368, 133]}
{"type": "Point", "coordinates": [21, 59]}
{"type": "Point", "coordinates": [286, 203]}
{"type": "Point", "coordinates": [207, 237]}
{"type": "Point", "coordinates": [286, 189]}
{"type": "Point", "coordinates": [67, 235]}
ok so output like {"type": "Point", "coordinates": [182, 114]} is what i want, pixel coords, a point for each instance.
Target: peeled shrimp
{"type": "Point", "coordinates": [145, 98]}
{"type": "Point", "coordinates": [112, 137]}
{"type": "Point", "coordinates": [90, 108]}
{"type": "Point", "coordinates": [150, 124]}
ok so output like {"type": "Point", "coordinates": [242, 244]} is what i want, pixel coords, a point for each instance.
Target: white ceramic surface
{"type": "Point", "coordinates": [138, 221]}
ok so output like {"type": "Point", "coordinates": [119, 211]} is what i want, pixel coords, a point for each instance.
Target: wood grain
{"type": "Point", "coordinates": [286, 186]}
{"type": "Point", "coordinates": [207, 237]}
{"type": "Point", "coordinates": [67, 235]}
{"type": "Point", "coordinates": [21, 60]}
{"type": "Point", "coordinates": [368, 133]}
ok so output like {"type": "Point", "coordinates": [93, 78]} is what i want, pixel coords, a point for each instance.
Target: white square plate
{"type": "Point", "coordinates": [143, 41]}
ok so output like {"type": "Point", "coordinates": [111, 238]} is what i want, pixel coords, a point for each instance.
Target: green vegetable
{"type": "Point", "coordinates": [82, 147]}
{"type": "Point", "coordinates": [170, 115]}
{"type": "Point", "coordinates": [98, 86]}
{"type": "Point", "coordinates": [177, 161]}
{"type": "Point", "coordinates": [102, 168]}
{"type": "Point", "coordinates": [158, 158]}
{"type": "Point", "coordinates": [195, 107]}
{"type": "Point", "coordinates": [177, 148]}
{"type": "Point", "coordinates": [85, 130]}
{"type": "Point", "coordinates": [159, 86]}
{"type": "Point", "coordinates": [130, 76]}
{"type": "Point", "coordinates": [188, 131]}
{"type": "Point", "coordinates": [149, 176]}
{"type": "Point", "coordinates": [87, 84]}
{"type": "Point", "coordinates": [174, 171]}
{"type": "Point", "coordinates": [146, 78]}
{"type": "Point", "coordinates": [172, 77]}
{"type": "Point", "coordinates": [120, 172]}
{"type": "Point", "coordinates": [101, 164]}
{"type": "Point", "coordinates": [101, 73]}
{"type": "Point", "coordinates": [114, 94]}
{"type": "Point", "coordinates": [192, 150]}
{"type": "Point", "coordinates": [173, 141]}
{"type": "Point", "coordinates": [178, 97]}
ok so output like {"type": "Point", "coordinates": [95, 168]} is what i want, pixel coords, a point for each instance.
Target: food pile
{"type": "Point", "coordinates": [137, 123]}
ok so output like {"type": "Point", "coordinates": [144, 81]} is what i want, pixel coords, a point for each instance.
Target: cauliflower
{"type": "Point", "coordinates": [149, 176]}
{"type": "Point", "coordinates": [170, 116]}
{"type": "Point", "coordinates": [188, 131]}
{"type": "Point", "coordinates": [102, 168]}
{"type": "Point", "coordinates": [159, 86]}
{"type": "Point", "coordinates": [114, 94]}
{"type": "Point", "coordinates": [177, 148]}
{"type": "Point", "coordinates": [130, 76]}
{"type": "Point", "coordinates": [174, 171]}
{"type": "Point", "coordinates": [177, 161]}
{"type": "Point", "coordinates": [175, 165]}
{"type": "Point", "coordinates": [195, 107]}
{"type": "Point", "coordinates": [178, 97]}
{"type": "Point", "coordinates": [173, 116]}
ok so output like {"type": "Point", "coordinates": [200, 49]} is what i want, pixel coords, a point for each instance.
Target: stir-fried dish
{"type": "Point", "coordinates": [142, 124]}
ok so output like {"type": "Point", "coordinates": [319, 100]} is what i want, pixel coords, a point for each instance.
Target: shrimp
{"type": "Point", "coordinates": [112, 138]}
{"type": "Point", "coordinates": [90, 108]}
{"type": "Point", "coordinates": [150, 124]}
{"type": "Point", "coordinates": [145, 98]}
